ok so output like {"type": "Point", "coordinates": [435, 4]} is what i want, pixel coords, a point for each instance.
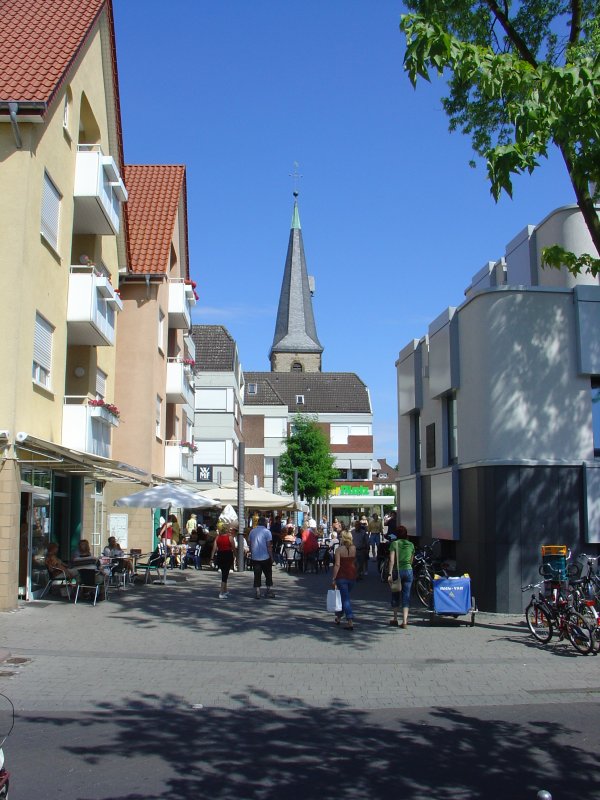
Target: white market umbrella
{"type": "Point", "coordinates": [253, 497]}
{"type": "Point", "coordinates": [164, 496]}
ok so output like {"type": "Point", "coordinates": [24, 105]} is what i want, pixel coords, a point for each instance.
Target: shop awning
{"type": "Point", "coordinates": [357, 500]}
{"type": "Point", "coordinates": [358, 463]}
{"type": "Point", "coordinates": [39, 452]}
{"type": "Point", "coordinates": [342, 463]}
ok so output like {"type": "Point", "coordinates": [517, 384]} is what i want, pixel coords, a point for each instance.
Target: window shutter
{"type": "Point", "coordinates": [50, 211]}
{"type": "Point", "coordinates": [42, 343]}
{"type": "Point", "coordinates": [101, 383]}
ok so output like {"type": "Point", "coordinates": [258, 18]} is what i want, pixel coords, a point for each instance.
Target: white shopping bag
{"type": "Point", "coordinates": [229, 517]}
{"type": "Point", "coordinates": [334, 600]}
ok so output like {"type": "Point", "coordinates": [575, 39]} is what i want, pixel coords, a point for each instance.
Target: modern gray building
{"type": "Point", "coordinates": [499, 417]}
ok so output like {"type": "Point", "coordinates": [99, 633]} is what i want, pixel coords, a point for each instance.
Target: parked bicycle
{"type": "Point", "coordinates": [546, 615]}
{"type": "Point", "coordinates": [425, 567]}
{"type": "Point", "coordinates": [581, 593]}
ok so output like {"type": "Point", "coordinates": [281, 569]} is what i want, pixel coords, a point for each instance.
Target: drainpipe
{"type": "Point", "coordinates": [12, 111]}
{"type": "Point", "coordinates": [148, 287]}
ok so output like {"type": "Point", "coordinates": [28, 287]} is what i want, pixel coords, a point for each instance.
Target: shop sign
{"type": "Point", "coordinates": [350, 490]}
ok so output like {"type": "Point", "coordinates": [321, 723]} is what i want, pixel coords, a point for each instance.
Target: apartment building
{"type": "Point", "coordinates": [219, 383]}
{"type": "Point", "coordinates": [154, 386]}
{"type": "Point", "coordinates": [98, 390]}
{"type": "Point", "coordinates": [499, 417]}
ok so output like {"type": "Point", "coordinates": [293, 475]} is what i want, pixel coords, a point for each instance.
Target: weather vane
{"type": "Point", "coordinates": [295, 176]}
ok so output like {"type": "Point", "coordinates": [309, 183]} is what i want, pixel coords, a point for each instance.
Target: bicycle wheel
{"type": "Point", "coordinates": [538, 622]}
{"type": "Point", "coordinates": [424, 590]}
{"type": "Point", "coordinates": [579, 632]}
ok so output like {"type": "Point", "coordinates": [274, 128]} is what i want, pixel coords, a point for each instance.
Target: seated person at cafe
{"type": "Point", "coordinates": [56, 567]}
{"type": "Point", "coordinates": [83, 554]}
{"type": "Point", "coordinates": [113, 550]}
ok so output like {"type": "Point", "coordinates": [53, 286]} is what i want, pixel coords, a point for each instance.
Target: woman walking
{"type": "Point", "coordinates": [400, 576]}
{"type": "Point", "coordinates": [222, 554]}
{"type": "Point", "coordinates": [344, 577]}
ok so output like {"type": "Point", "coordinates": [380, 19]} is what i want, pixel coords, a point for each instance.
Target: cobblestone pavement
{"type": "Point", "coordinates": [179, 645]}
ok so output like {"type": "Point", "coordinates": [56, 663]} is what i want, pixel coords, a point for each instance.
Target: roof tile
{"type": "Point", "coordinates": [39, 42]}
{"type": "Point", "coordinates": [323, 392]}
{"type": "Point", "coordinates": [154, 194]}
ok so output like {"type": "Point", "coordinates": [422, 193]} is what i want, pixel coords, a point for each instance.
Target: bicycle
{"type": "Point", "coordinates": [425, 567]}
{"type": "Point", "coordinates": [582, 593]}
{"type": "Point", "coordinates": [543, 616]}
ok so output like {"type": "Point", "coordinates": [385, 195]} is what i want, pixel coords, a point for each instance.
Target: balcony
{"type": "Point", "coordinates": [87, 428]}
{"type": "Point", "coordinates": [181, 301]}
{"type": "Point", "coordinates": [98, 194]}
{"type": "Point", "coordinates": [179, 383]}
{"type": "Point", "coordinates": [91, 308]}
{"type": "Point", "coordinates": [190, 347]}
{"type": "Point", "coordinates": [179, 461]}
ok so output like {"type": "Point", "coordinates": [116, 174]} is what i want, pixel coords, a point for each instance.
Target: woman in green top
{"type": "Point", "coordinates": [402, 553]}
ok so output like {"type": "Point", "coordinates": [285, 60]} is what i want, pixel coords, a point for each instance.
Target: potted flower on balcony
{"type": "Point", "coordinates": [187, 447]}
{"type": "Point", "coordinates": [109, 409]}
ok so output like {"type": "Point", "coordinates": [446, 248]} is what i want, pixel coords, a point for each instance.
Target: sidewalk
{"type": "Point", "coordinates": [180, 644]}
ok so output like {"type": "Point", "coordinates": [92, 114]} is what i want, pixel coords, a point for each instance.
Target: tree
{"type": "Point", "coordinates": [307, 451]}
{"type": "Point", "coordinates": [388, 490]}
{"type": "Point", "coordinates": [524, 75]}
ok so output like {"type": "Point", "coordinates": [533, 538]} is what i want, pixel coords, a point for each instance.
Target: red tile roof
{"type": "Point", "coordinates": [40, 40]}
{"type": "Point", "coordinates": [154, 194]}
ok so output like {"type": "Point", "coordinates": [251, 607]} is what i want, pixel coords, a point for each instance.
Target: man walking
{"type": "Point", "coordinates": [261, 552]}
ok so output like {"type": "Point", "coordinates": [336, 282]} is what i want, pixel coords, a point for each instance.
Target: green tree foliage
{"type": "Point", "coordinates": [523, 76]}
{"type": "Point", "coordinates": [392, 493]}
{"type": "Point", "coordinates": [307, 450]}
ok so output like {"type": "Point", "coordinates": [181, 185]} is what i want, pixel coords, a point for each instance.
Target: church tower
{"type": "Point", "coordinates": [296, 346]}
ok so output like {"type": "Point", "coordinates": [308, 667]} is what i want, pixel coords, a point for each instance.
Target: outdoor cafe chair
{"type": "Point", "coordinates": [323, 559]}
{"type": "Point", "coordinates": [155, 561]}
{"type": "Point", "coordinates": [59, 579]}
{"type": "Point", "coordinates": [292, 557]}
{"type": "Point", "coordinates": [88, 582]}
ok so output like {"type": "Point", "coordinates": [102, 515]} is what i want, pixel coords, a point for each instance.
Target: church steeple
{"type": "Point", "coordinates": [295, 345]}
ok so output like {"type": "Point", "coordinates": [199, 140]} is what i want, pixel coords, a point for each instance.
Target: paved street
{"type": "Point", "coordinates": [171, 692]}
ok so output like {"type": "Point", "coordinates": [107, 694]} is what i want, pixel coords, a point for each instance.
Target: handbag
{"type": "Point", "coordinates": [334, 600]}
{"type": "Point", "coordinates": [396, 585]}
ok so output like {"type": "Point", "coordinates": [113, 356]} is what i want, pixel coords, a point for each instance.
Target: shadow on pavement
{"type": "Point", "coordinates": [156, 749]}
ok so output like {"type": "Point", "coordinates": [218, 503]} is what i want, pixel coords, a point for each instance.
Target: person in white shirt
{"type": "Point", "coordinates": [261, 552]}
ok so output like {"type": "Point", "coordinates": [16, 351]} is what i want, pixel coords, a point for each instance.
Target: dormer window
{"type": "Point", "coordinates": [299, 399]}
{"type": "Point", "coordinates": [252, 388]}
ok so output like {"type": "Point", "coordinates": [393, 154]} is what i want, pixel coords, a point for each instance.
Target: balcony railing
{"type": "Point", "coordinates": [98, 193]}
{"type": "Point", "coordinates": [190, 347]}
{"type": "Point", "coordinates": [179, 461]}
{"type": "Point", "coordinates": [87, 428]}
{"type": "Point", "coordinates": [181, 301]}
{"type": "Point", "coordinates": [91, 308]}
{"type": "Point", "coordinates": [179, 382]}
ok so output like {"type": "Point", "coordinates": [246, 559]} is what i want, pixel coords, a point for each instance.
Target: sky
{"type": "Point", "coordinates": [395, 223]}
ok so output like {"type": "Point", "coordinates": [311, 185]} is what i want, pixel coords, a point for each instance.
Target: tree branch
{"type": "Point", "coordinates": [575, 21]}
{"type": "Point", "coordinates": [524, 52]}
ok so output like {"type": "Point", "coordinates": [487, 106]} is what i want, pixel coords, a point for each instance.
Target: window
{"type": "Point", "coordinates": [299, 399]}
{"type": "Point", "coordinates": [161, 330]}
{"type": "Point", "coordinates": [296, 366]}
{"type": "Point", "coordinates": [42, 351]}
{"type": "Point", "coordinates": [211, 400]}
{"type": "Point", "coordinates": [51, 198]}
{"type": "Point", "coordinates": [275, 427]}
{"type": "Point", "coordinates": [452, 428]}
{"type": "Point", "coordinates": [596, 415]}
{"type": "Point", "coordinates": [415, 438]}
{"type": "Point", "coordinates": [430, 446]}
{"type": "Point", "coordinates": [158, 429]}
{"type": "Point", "coordinates": [343, 474]}
{"type": "Point", "coordinates": [360, 474]}
{"type": "Point", "coordinates": [100, 384]}
{"type": "Point", "coordinates": [252, 388]}
{"type": "Point", "coordinates": [339, 434]}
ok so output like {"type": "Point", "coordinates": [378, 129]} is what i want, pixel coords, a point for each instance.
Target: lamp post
{"type": "Point", "coordinates": [241, 509]}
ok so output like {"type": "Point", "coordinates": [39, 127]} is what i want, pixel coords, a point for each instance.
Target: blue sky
{"type": "Point", "coordinates": [394, 221]}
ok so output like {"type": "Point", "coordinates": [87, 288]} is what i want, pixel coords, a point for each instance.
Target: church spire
{"type": "Point", "coordinates": [295, 345]}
